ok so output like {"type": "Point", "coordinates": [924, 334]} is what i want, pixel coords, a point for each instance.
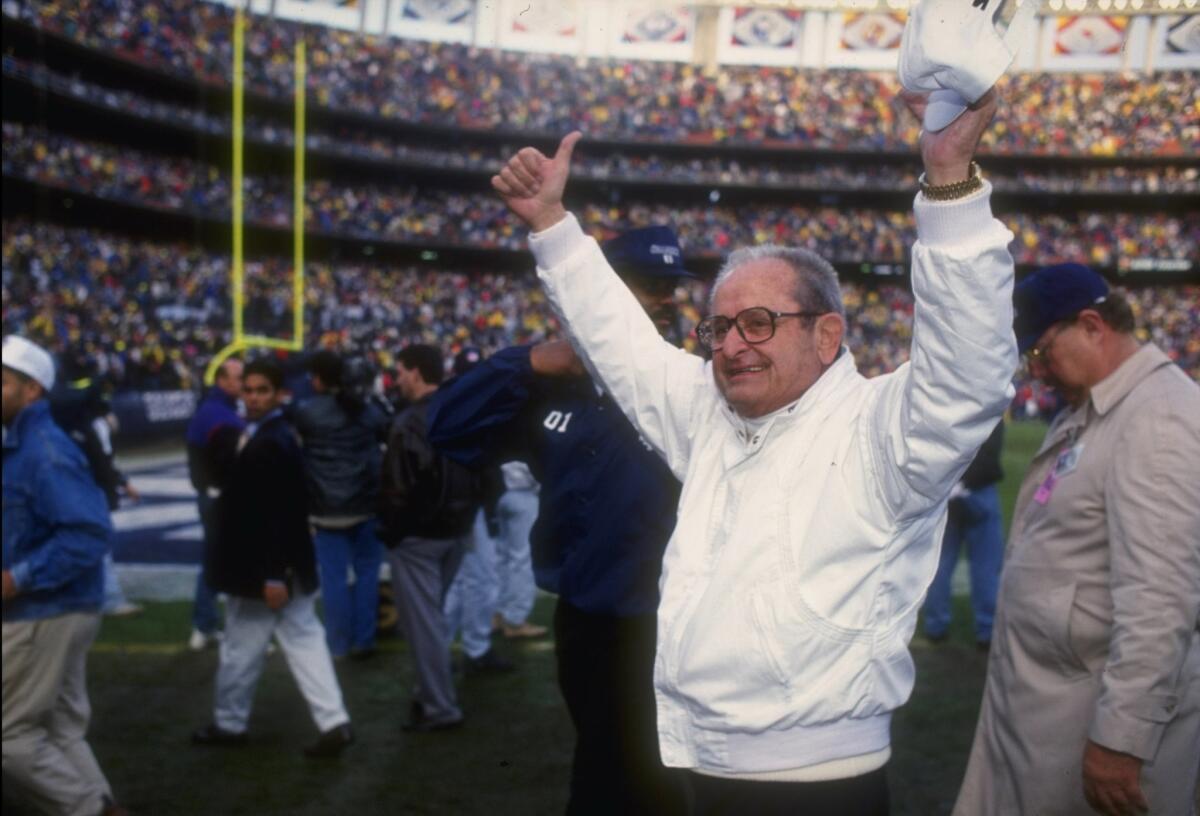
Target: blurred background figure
{"type": "Point", "coordinates": [516, 513]}
{"type": "Point", "coordinates": [428, 506]}
{"type": "Point", "coordinates": [472, 597]}
{"type": "Point", "coordinates": [343, 436]}
{"type": "Point", "coordinates": [975, 523]}
{"type": "Point", "coordinates": [211, 439]}
{"type": "Point", "coordinates": [81, 408]}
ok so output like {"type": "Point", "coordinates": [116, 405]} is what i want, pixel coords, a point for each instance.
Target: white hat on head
{"type": "Point", "coordinates": [30, 359]}
{"type": "Point", "coordinates": [953, 50]}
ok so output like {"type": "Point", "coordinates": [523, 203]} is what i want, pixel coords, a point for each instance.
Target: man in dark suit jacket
{"type": "Point", "coordinates": [263, 560]}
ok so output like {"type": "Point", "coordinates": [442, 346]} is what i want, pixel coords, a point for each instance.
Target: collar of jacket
{"type": "Point", "coordinates": [812, 402]}
{"type": "Point", "coordinates": [32, 414]}
{"type": "Point", "coordinates": [218, 394]}
{"type": "Point", "coordinates": [1113, 388]}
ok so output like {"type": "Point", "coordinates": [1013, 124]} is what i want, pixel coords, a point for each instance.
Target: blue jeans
{"type": "Point", "coordinates": [206, 617]}
{"type": "Point", "coordinates": [350, 610]}
{"type": "Point", "coordinates": [974, 520]}
{"type": "Point", "coordinates": [472, 597]}
{"type": "Point", "coordinates": [518, 510]}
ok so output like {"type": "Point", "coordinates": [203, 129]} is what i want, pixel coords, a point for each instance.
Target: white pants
{"type": "Point", "coordinates": [249, 625]}
{"type": "Point", "coordinates": [47, 761]}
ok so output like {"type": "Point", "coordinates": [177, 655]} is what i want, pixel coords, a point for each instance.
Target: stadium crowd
{"type": "Point", "coordinates": [149, 315]}
{"type": "Point", "coordinates": [466, 87]}
{"type": "Point", "coordinates": [607, 163]}
{"type": "Point", "coordinates": [418, 215]}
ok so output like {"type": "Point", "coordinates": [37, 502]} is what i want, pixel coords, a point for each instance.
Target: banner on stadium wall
{"type": "Point", "coordinates": [1177, 42]}
{"type": "Point", "coordinates": [1089, 36]}
{"type": "Point", "coordinates": [335, 13]}
{"type": "Point", "coordinates": [438, 20]}
{"type": "Point", "coordinates": [153, 414]}
{"type": "Point", "coordinates": [1088, 43]}
{"type": "Point", "coordinates": [765, 28]}
{"type": "Point", "coordinates": [759, 36]}
{"type": "Point", "coordinates": [542, 25]}
{"type": "Point", "coordinates": [441, 12]}
{"type": "Point", "coordinates": [665, 25]}
{"type": "Point", "coordinates": [872, 31]}
{"type": "Point", "coordinates": [864, 39]}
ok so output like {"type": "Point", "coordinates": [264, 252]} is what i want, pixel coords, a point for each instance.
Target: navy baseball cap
{"type": "Point", "coordinates": [650, 251]}
{"type": "Point", "coordinates": [1052, 294]}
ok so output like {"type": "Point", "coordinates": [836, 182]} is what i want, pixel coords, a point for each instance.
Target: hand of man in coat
{"type": "Point", "coordinates": [1112, 781]}
{"type": "Point", "coordinates": [532, 185]}
{"type": "Point", "coordinates": [275, 594]}
{"type": "Point", "coordinates": [10, 586]}
{"type": "Point", "coordinates": [947, 154]}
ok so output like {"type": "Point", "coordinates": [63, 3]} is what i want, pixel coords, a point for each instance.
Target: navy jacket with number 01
{"type": "Point", "coordinates": [607, 504]}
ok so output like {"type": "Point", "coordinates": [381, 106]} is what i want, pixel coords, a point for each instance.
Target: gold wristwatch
{"type": "Point", "coordinates": [959, 189]}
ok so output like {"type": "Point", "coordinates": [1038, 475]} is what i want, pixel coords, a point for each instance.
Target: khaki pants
{"type": "Point", "coordinates": [47, 761]}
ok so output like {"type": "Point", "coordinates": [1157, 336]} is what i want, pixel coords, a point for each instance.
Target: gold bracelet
{"type": "Point", "coordinates": [949, 192]}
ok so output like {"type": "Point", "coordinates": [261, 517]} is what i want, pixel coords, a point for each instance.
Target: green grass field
{"type": "Point", "coordinates": [512, 757]}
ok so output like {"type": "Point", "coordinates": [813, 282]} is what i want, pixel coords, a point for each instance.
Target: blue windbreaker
{"type": "Point", "coordinates": [56, 523]}
{"type": "Point", "coordinates": [607, 504]}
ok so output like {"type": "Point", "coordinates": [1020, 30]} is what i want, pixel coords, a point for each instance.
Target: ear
{"type": "Point", "coordinates": [1091, 320]}
{"type": "Point", "coordinates": [828, 332]}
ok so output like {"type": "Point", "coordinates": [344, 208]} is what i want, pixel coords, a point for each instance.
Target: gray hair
{"type": "Point", "coordinates": [817, 288]}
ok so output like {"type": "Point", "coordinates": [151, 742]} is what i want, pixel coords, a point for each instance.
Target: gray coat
{"type": "Point", "coordinates": [1096, 628]}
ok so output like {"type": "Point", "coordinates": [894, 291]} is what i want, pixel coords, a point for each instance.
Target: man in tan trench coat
{"type": "Point", "coordinates": [1092, 701]}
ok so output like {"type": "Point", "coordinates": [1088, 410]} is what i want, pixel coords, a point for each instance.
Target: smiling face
{"type": "Point", "coordinates": [759, 378]}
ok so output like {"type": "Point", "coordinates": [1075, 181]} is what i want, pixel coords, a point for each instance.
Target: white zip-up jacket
{"type": "Point", "coordinates": [805, 543]}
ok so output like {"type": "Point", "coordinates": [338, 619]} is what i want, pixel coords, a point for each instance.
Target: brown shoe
{"type": "Point", "coordinates": [524, 630]}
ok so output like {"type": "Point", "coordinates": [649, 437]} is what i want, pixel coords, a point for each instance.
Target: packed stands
{"type": "Point", "coordinates": [456, 85]}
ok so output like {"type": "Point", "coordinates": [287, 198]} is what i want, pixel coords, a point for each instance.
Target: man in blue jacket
{"type": "Point", "coordinates": [56, 532]}
{"type": "Point", "coordinates": [607, 509]}
{"type": "Point", "coordinates": [218, 410]}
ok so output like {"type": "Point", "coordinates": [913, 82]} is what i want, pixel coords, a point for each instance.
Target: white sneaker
{"type": "Point", "coordinates": [199, 641]}
{"type": "Point", "coordinates": [125, 609]}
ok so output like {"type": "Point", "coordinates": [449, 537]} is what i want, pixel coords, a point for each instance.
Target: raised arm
{"type": "Point", "coordinates": [475, 419]}
{"type": "Point", "coordinates": [936, 410]}
{"type": "Point", "coordinates": [655, 383]}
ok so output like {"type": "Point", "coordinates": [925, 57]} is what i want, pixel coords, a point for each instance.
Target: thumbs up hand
{"type": "Point", "coordinates": [532, 184]}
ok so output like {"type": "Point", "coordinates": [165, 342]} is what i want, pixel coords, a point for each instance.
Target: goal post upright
{"type": "Point", "coordinates": [242, 341]}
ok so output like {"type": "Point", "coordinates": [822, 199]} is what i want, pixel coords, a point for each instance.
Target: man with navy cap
{"type": "Point", "coordinates": [607, 507]}
{"type": "Point", "coordinates": [1093, 688]}
{"type": "Point", "coordinates": [56, 532]}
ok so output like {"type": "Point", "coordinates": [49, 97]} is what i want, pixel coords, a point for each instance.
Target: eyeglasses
{"type": "Point", "coordinates": [755, 325]}
{"type": "Point", "coordinates": [1038, 353]}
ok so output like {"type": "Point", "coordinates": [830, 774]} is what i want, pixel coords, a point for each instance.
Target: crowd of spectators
{"type": "Point", "coordinates": [600, 162]}
{"type": "Point", "coordinates": [462, 86]}
{"type": "Point", "coordinates": [150, 315]}
{"type": "Point", "coordinates": [413, 214]}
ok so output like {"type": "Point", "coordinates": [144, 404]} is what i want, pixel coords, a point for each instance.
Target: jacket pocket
{"type": "Point", "coordinates": [1039, 628]}
{"type": "Point", "coordinates": [823, 670]}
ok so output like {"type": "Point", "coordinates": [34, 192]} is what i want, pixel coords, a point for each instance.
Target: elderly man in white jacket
{"type": "Point", "coordinates": [813, 498]}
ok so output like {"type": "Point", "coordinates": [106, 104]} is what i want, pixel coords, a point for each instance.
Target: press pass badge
{"type": "Point", "coordinates": [955, 50]}
{"type": "Point", "coordinates": [1066, 462]}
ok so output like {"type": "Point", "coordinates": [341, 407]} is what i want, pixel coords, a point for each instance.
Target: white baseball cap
{"type": "Point", "coordinates": [30, 359]}
{"type": "Point", "coordinates": [954, 51]}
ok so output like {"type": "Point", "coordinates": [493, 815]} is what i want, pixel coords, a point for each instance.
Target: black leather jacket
{"type": "Point", "coordinates": [343, 456]}
{"type": "Point", "coordinates": [425, 495]}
